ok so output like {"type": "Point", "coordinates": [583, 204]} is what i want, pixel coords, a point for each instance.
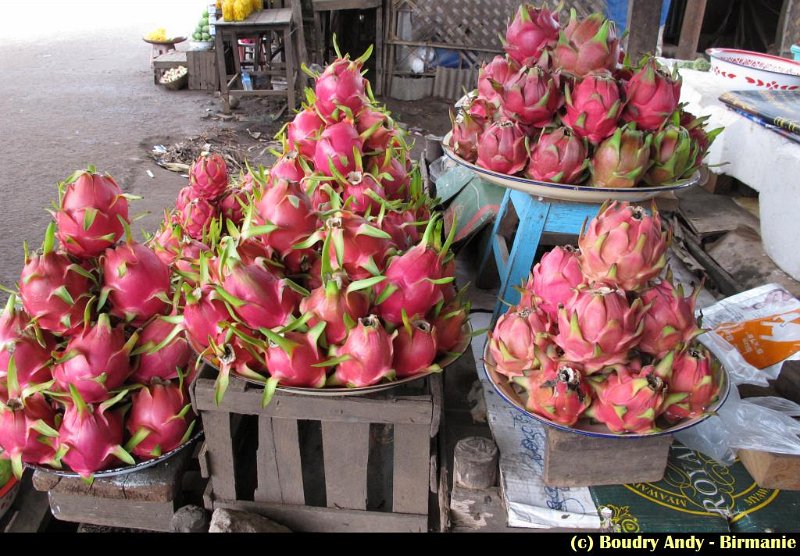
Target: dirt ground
{"type": "Point", "coordinates": [88, 97]}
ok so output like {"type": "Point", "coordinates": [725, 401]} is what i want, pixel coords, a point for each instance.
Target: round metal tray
{"type": "Point", "coordinates": [121, 470]}
{"type": "Point", "coordinates": [565, 192]}
{"type": "Point", "coordinates": [172, 41]}
{"type": "Point", "coordinates": [444, 362]}
{"type": "Point", "coordinates": [507, 391]}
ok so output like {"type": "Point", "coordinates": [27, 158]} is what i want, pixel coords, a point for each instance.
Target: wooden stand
{"type": "Point", "coordinates": [354, 463]}
{"type": "Point", "coordinates": [145, 499]}
{"type": "Point", "coordinates": [574, 460]}
{"type": "Point", "coordinates": [202, 66]}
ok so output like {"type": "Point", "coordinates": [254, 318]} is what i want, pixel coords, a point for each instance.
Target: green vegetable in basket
{"type": "Point", "coordinates": [205, 28]}
{"type": "Point", "coordinates": [5, 472]}
{"type": "Point", "coordinates": [205, 14]}
{"type": "Point", "coordinates": [206, 37]}
{"type": "Point", "coordinates": [204, 20]}
{"type": "Point", "coordinates": [197, 36]}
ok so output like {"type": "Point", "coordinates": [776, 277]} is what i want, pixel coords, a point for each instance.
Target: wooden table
{"type": "Point", "coordinates": [284, 21]}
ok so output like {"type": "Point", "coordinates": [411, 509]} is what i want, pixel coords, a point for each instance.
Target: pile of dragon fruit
{"type": "Point", "coordinates": [597, 335]}
{"type": "Point", "coordinates": [559, 108]}
{"type": "Point", "coordinates": [331, 269]}
{"type": "Point", "coordinates": [93, 364]}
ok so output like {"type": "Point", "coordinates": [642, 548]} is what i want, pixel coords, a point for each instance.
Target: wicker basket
{"type": "Point", "coordinates": [177, 84]}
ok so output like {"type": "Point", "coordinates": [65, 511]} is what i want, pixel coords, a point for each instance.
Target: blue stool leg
{"type": "Point", "coordinates": [491, 247]}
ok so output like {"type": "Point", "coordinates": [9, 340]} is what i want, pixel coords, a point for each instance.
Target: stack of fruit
{"type": "Point", "coordinates": [94, 351]}
{"type": "Point", "coordinates": [331, 269]}
{"type": "Point", "coordinates": [201, 32]}
{"type": "Point", "coordinates": [239, 10]}
{"type": "Point", "coordinates": [158, 35]}
{"type": "Point", "coordinates": [558, 108]}
{"type": "Point", "coordinates": [598, 335]}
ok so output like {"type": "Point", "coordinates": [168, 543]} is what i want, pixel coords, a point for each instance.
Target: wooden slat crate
{"type": "Point", "coordinates": [354, 463]}
{"type": "Point", "coordinates": [202, 66]}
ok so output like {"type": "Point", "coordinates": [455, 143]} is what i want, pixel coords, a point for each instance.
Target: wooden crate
{"type": "Point", "coordinates": [775, 471]}
{"type": "Point", "coordinates": [353, 463]}
{"type": "Point", "coordinates": [202, 66]}
{"type": "Point", "coordinates": [573, 460]}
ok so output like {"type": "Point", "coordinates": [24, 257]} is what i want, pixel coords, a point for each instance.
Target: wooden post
{"type": "Point", "coordinates": [475, 462]}
{"type": "Point", "coordinates": [643, 23]}
{"type": "Point", "coordinates": [690, 29]}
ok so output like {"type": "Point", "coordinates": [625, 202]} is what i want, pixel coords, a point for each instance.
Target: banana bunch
{"type": "Point", "coordinates": [159, 35]}
{"type": "Point", "coordinates": [239, 10]}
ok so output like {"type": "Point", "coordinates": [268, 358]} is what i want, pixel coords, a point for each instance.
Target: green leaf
{"type": "Point", "coordinates": [386, 293]}
{"type": "Point", "coordinates": [88, 218]}
{"type": "Point", "coordinates": [137, 438]}
{"type": "Point", "coordinates": [364, 284]}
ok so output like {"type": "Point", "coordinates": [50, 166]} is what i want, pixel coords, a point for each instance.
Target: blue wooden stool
{"type": "Point", "coordinates": [536, 216]}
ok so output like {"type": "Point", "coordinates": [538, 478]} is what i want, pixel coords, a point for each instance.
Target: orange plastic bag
{"type": "Point", "coordinates": [764, 341]}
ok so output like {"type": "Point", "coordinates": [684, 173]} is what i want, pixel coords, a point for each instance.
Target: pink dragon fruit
{"type": "Point", "coordinates": [555, 278]}
{"type": "Point", "coordinates": [166, 243]}
{"type": "Point", "coordinates": [137, 281]}
{"type": "Point", "coordinates": [466, 132]}
{"type": "Point", "coordinates": [587, 45]}
{"type": "Point", "coordinates": [91, 213]}
{"type": "Point", "coordinates": [206, 318]}
{"type": "Point", "coordinates": [302, 132]}
{"type": "Point", "coordinates": [208, 176]}
{"type": "Point", "coordinates": [593, 107]}
{"type": "Point", "coordinates": [92, 436]}
{"type": "Point", "coordinates": [693, 375]}
{"type": "Point", "coordinates": [621, 160]}
{"type": "Point", "coordinates": [185, 196]}
{"type": "Point", "coordinates": [258, 297]}
{"type": "Point", "coordinates": [237, 355]}
{"type": "Point", "coordinates": [558, 157]}
{"type": "Point", "coordinates": [670, 320]}
{"type": "Point", "coordinates": [414, 349]}
{"type": "Point", "coordinates": [493, 76]}
{"type": "Point", "coordinates": [341, 86]}
{"type": "Point", "coordinates": [294, 359]}
{"type": "Point", "coordinates": [519, 341]}
{"type": "Point", "coordinates": [188, 259]}
{"type": "Point", "coordinates": [288, 167]}
{"type": "Point", "coordinates": [336, 147]}
{"type": "Point", "coordinates": [96, 361]}
{"type": "Point", "coordinates": [376, 128]}
{"type": "Point", "coordinates": [232, 205]}
{"type": "Point", "coordinates": [624, 246]}
{"type": "Point", "coordinates": [393, 169]}
{"type": "Point", "coordinates": [160, 420]}
{"type": "Point", "coordinates": [502, 148]}
{"type": "Point", "coordinates": [480, 109]}
{"type": "Point", "coordinates": [673, 155]}
{"type": "Point", "coordinates": [366, 355]}
{"type": "Point", "coordinates": [598, 327]}
{"type": "Point", "coordinates": [362, 192]}
{"type": "Point", "coordinates": [413, 280]}
{"type": "Point", "coordinates": [24, 361]}
{"type": "Point", "coordinates": [630, 401]}
{"type": "Point", "coordinates": [196, 218]}
{"type": "Point", "coordinates": [27, 432]}
{"type": "Point", "coordinates": [651, 96]}
{"type": "Point", "coordinates": [402, 226]}
{"type": "Point", "coordinates": [54, 291]}
{"type": "Point", "coordinates": [560, 394]}
{"type": "Point", "coordinates": [364, 248]}
{"type": "Point", "coordinates": [448, 324]}
{"type": "Point", "coordinates": [163, 352]}
{"type": "Point", "coordinates": [337, 307]}
{"type": "Point", "coordinates": [531, 32]}
{"type": "Point", "coordinates": [531, 97]}
{"type": "Point", "coordinates": [701, 137]}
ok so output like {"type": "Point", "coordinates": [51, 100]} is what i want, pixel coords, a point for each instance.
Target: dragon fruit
{"type": "Point", "coordinates": [336, 148]}
{"type": "Point", "coordinates": [651, 96]}
{"type": "Point", "coordinates": [341, 86]}
{"type": "Point", "coordinates": [531, 97]}
{"type": "Point", "coordinates": [185, 196]}
{"type": "Point", "coordinates": [701, 137]}
{"type": "Point", "coordinates": [593, 107]}
{"type": "Point", "coordinates": [501, 148]}
{"type": "Point", "coordinates": [560, 395]}
{"type": "Point", "coordinates": [402, 226]}
{"type": "Point", "coordinates": [288, 167]}
{"type": "Point", "coordinates": [414, 349]}
{"type": "Point", "coordinates": [412, 281]}
{"type": "Point", "coordinates": [188, 258]}
{"type": "Point", "coordinates": [554, 279]}
{"type": "Point", "coordinates": [208, 176]}
{"type": "Point", "coordinates": [283, 217]}
{"type": "Point", "coordinates": [478, 108]}
{"type": "Point", "coordinates": [466, 132]}
{"type": "Point", "coordinates": [96, 361]}
{"type": "Point", "coordinates": [520, 339]}
{"type": "Point", "coordinates": [54, 291]}
{"type": "Point", "coordinates": [160, 420]}
{"type": "Point", "coordinates": [137, 282]}
{"type": "Point", "coordinates": [302, 132]}
{"type": "Point", "coordinates": [621, 160]}
{"type": "Point", "coordinates": [630, 401]}
{"type": "Point", "coordinates": [91, 213]}
{"type": "Point", "coordinates": [364, 248]}
{"type": "Point", "coordinates": [673, 154]}
{"type": "Point", "coordinates": [376, 128]}
{"type": "Point", "coordinates": [206, 317]}
{"type": "Point", "coordinates": [393, 169]}
{"type": "Point", "coordinates": [493, 76]}
{"type": "Point", "coordinates": [27, 432]}
{"type": "Point", "coordinates": [363, 192]}
{"type": "Point", "coordinates": [692, 374]}
{"type": "Point", "coordinates": [295, 359]}
{"type": "Point", "coordinates": [232, 205]}
{"type": "Point", "coordinates": [240, 356]}
{"type": "Point", "coordinates": [22, 354]}
{"type": "Point", "coordinates": [670, 320]}
{"type": "Point", "coordinates": [623, 246]}
{"type": "Point", "coordinates": [531, 32]}
{"type": "Point", "coordinates": [336, 306]}
{"type": "Point", "coordinates": [166, 243]}
{"type": "Point", "coordinates": [196, 217]}
{"type": "Point", "coordinates": [559, 157]}
{"type": "Point", "coordinates": [163, 352]}
{"type": "Point", "coordinates": [587, 45]}
{"type": "Point", "coordinates": [366, 356]}
{"type": "Point", "coordinates": [448, 324]}
{"type": "Point", "coordinates": [92, 436]}
{"type": "Point", "coordinates": [598, 327]}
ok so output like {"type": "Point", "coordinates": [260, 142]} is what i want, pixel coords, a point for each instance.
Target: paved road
{"type": "Point", "coordinates": [79, 90]}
